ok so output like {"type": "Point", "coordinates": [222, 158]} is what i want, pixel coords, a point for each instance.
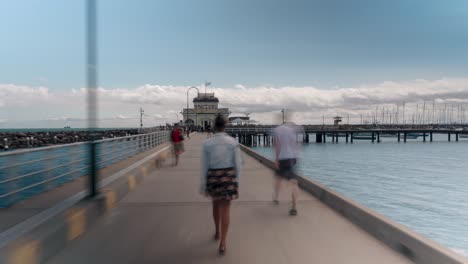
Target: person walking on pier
{"type": "Point", "coordinates": [287, 153]}
{"type": "Point", "coordinates": [221, 164]}
{"type": "Point", "coordinates": [177, 141]}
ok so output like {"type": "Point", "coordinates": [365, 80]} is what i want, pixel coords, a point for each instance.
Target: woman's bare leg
{"type": "Point", "coordinates": [225, 219]}
{"type": "Point", "coordinates": [216, 217]}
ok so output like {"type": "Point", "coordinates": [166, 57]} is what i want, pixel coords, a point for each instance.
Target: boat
{"type": "Point", "coordinates": [363, 136]}
{"type": "Point", "coordinates": [389, 135]}
{"type": "Point", "coordinates": [339, 134]}
{"type": "Point", "coordinates": [414, 135]}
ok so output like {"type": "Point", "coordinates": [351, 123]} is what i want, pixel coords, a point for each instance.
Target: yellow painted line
{"type": "Point", "coordinates": [26, 254]}
{"type": "Point", "coordinates": [110, 199]}
{"type": "Point", "coordinates": [131, 182]}
{"type": "Point", "coordinates": [144, 171]}
{"type": "Point", "coordinates": [76, 220]}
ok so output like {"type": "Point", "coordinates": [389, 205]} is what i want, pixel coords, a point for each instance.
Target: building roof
{"type": "Point", "coordinates": [205, 98]}
{"type": "Point", "coordinates": [244, 118]}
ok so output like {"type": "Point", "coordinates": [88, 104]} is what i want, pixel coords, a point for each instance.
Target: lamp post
{"type": "Point", "coordinates": [193, 87]}
{"type": "Point", "coordinates": [282, 111]}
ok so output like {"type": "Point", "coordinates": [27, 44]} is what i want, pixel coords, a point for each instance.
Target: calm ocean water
{"type": "Point", "coordinates": [421, 185]}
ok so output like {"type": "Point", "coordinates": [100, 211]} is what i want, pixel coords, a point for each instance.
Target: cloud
{"type": "Point", "coordinates": [121, 117]}
{"type": "Point", "coordinates": [66, 119]}
{"type": "Point", "coordinates": [18, 95]}
{"type": "Point", "coordinates": [161, 103]}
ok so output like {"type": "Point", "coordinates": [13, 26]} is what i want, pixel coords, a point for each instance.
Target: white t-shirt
{"type": "Point", "coordinates": [286, 135]}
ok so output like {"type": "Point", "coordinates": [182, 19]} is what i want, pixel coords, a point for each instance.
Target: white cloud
{"type": "Point", "coordinates": [121, 117]}
{"type": "Point", "coordinates": [17, 95]}
{"type": "Point", "coordinates": [161, 103]}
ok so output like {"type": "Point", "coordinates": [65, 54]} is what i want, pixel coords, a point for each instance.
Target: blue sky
{"type": "Point", "coordinates": [265, 42]}
{"type": "Point", "coordinates": [316, 57]}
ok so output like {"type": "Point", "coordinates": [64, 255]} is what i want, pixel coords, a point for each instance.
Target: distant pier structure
{"type": "Point", "coordinates": [337, 120]}
{"type": "Point", "coordinates": [204, 111]}
{"type": "Point", "coordinates": [262, 135]}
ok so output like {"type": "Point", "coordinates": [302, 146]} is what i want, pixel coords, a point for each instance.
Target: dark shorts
{"type": "Point", "coordinates": [286, 169]}
{"type": "Point", "coordinates": [178, 147]}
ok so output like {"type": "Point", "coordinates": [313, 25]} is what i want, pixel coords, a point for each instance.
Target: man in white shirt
{"type": "Point", "coordinates": [287, 152]}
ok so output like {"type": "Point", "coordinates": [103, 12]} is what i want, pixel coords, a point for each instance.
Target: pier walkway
{"type": "Point", "coordinates": [166, 220]}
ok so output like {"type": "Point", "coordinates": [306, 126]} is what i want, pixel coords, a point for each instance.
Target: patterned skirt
{"type": "Point", "coordinates": [221, 184]}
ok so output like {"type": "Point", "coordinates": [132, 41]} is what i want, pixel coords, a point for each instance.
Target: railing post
{"type": "Point", "coordinates": [5, 145]}
{"type": "Point", "coordinates": [93, 168]}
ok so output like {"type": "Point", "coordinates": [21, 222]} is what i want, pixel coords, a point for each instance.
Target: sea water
{"type": "Point", "coordinates": [421, 185]}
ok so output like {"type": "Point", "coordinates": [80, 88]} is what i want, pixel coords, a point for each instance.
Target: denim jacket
{"type": "Point", "coordinates": [219, 152]}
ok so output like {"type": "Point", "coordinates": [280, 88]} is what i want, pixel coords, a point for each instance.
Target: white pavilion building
{"type": "Point", "coordinates": [204, 112]}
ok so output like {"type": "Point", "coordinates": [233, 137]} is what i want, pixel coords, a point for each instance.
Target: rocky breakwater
{"type": "Point", "coordinates": [16, 140]}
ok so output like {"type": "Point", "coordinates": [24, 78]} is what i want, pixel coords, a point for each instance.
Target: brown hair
{"type": "Point", "coordinates": [220, 122]}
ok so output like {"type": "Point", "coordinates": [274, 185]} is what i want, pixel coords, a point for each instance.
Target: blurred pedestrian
{"type": "Point", "coordinates": [287, 152]}
{"type": "Point", "coordinates": [221, 164]}
{"type": "Point", "coordinates": [177, 142]}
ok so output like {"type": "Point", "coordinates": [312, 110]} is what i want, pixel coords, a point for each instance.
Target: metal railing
{"type": "Point", "coordinates": [259, 130]}
{"type": "Point", "coordinates": [24, 173]}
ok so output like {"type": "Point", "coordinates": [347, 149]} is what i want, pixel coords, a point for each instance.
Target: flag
{"type": "Point", "coordinates": [207, 83]}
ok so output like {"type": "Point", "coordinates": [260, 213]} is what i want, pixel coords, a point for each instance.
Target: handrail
{"type": "Point", "coordinates": [17, 178]}
{"type": "Point", "coordinates": [22, 151]}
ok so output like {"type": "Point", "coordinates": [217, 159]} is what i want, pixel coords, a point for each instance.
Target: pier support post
{"type": "Point", "coordinates": [424, 136]}
{"type": "Point", "coordinates": [449, 137]}
{"type": "Point", "coordinates": [347, 137]}
{"type": "Point", "coordinates": [456, 137]}
{"type": "Point", "coordinates": [318, 138]}
{"type": "Point", "coordinates": [399, 136]}
{"type": "Point", "coordinates": [378, 137]}
{"type": "Point", "coordinates": [430, 137]}
{"type": "Point", "coordinates": [352, 138]}
{"type": "Point", "coordinates": [336, 137]}
{"type": "Point", "coordinates": [324, 137]}
{"type": "Point", "coordinates": [373, 137]}
{"type": "Point", "coordinates": [404, 137]}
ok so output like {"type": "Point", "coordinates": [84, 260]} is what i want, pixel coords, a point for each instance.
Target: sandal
{"type": "Point", "coordinates": [222, 250]}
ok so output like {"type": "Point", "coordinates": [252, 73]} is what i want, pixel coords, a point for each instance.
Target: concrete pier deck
{"type": "Point", "coordinates": [25, 209]}
{"type": "Point", "coordinates": [166, 220]}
